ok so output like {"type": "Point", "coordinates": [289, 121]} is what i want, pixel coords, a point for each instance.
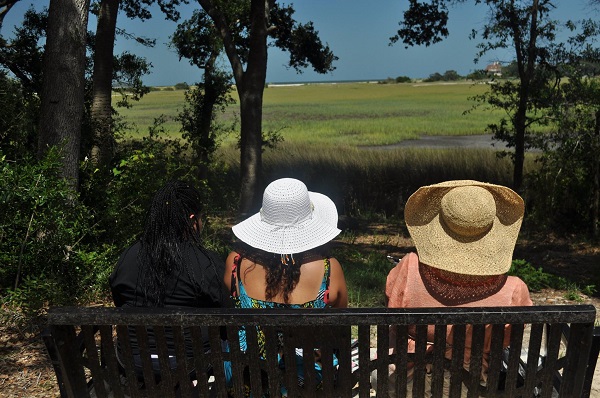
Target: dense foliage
{"type": "Point", "coordinates": [43, 226]}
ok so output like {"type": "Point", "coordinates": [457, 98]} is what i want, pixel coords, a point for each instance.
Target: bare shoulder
{"type": "Point", "coordinates": [228, 267]}
{"type": "Point", "coordinates": [337, 271]}
{"type": "Point", "coordinates": [338, 290]}
{"type": "Point", "coordinates": [231, 257]}
{"type": "Point", "coordinates": [335, 264]}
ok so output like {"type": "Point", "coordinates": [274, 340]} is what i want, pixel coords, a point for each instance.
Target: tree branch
{"type": "Point", "coordinates": [221, 24]}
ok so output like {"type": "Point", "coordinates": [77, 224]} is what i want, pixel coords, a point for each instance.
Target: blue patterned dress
{"type": "Point", "coordinates": [242, 300]}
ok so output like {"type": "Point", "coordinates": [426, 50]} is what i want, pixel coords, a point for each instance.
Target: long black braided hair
{"type": "Point", "coordinates": [171, 223]}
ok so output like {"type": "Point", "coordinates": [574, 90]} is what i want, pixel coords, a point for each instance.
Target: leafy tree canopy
{"type": "Point", "coordinates": [22, 55]}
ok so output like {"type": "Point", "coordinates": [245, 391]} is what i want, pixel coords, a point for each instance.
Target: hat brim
{"type": "Point", "coordinates": [324, 207]}
{"type": "Point", "coordinates": [297, 238]}
{"type": "Point", "coordinates": [439, 247]}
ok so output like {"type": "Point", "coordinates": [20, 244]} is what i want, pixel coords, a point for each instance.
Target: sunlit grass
{"type": "Point", "coordinates": [154, 104]}
{"type": "Point", "coordinates": [371, 114]}
{"type": "Point", "coordinates": [348, 113]}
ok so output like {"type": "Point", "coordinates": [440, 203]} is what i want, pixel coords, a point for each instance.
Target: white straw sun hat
{"type": "Point", "coordinates": [466, 227]}
{"type": "Point", "coordinates": [291, 220]}
{"type": "Point", "coordinates": [324, 208]}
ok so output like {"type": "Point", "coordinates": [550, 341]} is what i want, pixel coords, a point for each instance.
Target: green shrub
{"type": "Point", "coordinates": [42, 226]}
{"type": "Point", "coordinates": [119, 198]}
{"type": "Point", "coordinates": [182, 86]}
{"type": "Point", "coordinates": [535, 278]}
{"type": "Point", "coordinates": [18, 118]}
{"type": "Point", "coordinates": [403, 79]}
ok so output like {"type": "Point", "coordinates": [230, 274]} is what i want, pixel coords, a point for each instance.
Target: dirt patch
{"type": "Point", "coordinates": [25, 369]}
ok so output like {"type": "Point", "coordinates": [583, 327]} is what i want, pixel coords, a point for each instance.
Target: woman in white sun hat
{"type": "Point", "coordinates": [281, 259]}
{"type": "Point", "coordinates": [465, 232]}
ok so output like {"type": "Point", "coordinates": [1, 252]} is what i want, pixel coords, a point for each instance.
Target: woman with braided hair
{"type": "Point", "coordinates": [168, 266]}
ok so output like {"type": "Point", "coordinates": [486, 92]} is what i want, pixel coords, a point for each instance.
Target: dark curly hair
{"type": "Point", "coordinates": [282, 271]}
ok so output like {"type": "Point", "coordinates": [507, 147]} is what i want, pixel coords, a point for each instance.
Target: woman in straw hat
{"type": "Point", "coordinates": [282, 259]}
{"type": "Point", "coordinates": [465, 233]}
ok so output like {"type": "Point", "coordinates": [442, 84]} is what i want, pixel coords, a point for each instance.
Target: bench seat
{"type": "Point", "coordinates": [81, 345]}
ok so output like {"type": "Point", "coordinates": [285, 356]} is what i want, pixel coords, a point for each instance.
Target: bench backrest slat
{"type": "Point", "coordinates": [173, 347]}
{"type": "Point", "coordinates": [553, 338]}
{"type": "Point", "coordinates": [591, 366]}
{"type": "Point", "coordinates": [580, 340]}
{"type": "Point", "coordinates": [364, 354]}
{"type": "Point", "coordinates": [533, 353]}
{"type": "Point", "coordinates": [198, 336]}
{"type": "Point", "coordinates": [439, 359]}
{"type": "Point", "coordinates": [456, 367]}
{"type": "Point", "coordinates": [217, 359]}
{"type": "Point", "coordinates": [71, 361]}
{"type": "Point", "coordinates": [272, 363]}
{"type": "Point", "coordinates": [182, 372]}
{"type": "Point", "coordinates": [496, 354]}
{"type": "Point", "coordinates": [255, 371]}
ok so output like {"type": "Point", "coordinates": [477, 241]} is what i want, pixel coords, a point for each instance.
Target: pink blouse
{"type": "Point", "coordinates": [405, 289]}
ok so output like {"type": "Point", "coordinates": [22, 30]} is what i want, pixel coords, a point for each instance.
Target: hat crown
{"type": "Point", "coordinates": [286, 202]}
{"type": "Point", "coordinates": [473, 232]}
{"type": "Point", "coordinates": [468, 211]}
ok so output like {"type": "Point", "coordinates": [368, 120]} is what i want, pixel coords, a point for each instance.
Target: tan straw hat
{"type": "Point", "coordinates": [466, 227]}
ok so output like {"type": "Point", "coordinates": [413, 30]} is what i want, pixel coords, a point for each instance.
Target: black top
{"type": "Point", "coordinates": [207, 291]}
{"type": "Point", "coordinates": [181, 291]}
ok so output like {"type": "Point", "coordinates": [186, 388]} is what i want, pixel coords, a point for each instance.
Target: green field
{"type": "Point", "coordinates": [344, 113]}
{"type": "Point", "coordinates": [327, 127]}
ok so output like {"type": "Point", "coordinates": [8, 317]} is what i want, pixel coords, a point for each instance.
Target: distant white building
{"type": "Point", "coordinates": [494, 69]}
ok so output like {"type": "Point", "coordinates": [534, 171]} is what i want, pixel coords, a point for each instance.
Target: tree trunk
{"type": "Point", "coordinates": [520, 128]}
{"type": "Point", "coordinates": [250, 151]}
{"type": "Point", "coordinates": [251, 101]}
{"type": "Point", "coordinates": [62, 99]}
{"type": "Point", "coordinates": [101, 112]}
{"type": "Point", "coordinates": [250, 86]}
{"type": "Point", "coordinates": [207, 145]}
{"type": "Point", "coordinates": [596, 193]}
{"type": "Point", "coordinates": [527, 65]}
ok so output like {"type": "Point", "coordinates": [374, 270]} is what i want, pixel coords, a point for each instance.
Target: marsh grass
{"type": "Point", "coordinates": [377, 181]}
{"type": "Point", "coordinates": [343, 114]}
{"type": "Point", "coordinates": [372, 114]}
{"type": "Point", "coordinates": [140, 117]}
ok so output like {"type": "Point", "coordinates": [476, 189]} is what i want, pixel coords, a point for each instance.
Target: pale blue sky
{"type": "Point", "coordinates": [357, 31]}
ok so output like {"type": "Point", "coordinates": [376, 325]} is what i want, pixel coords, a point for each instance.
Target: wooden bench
{"type": "Point", "coordinates": [81, 345]}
